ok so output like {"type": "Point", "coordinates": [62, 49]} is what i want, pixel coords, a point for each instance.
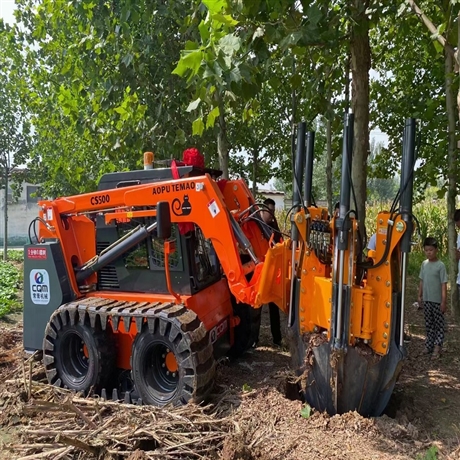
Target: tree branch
{"type": "Point", "coordinates": [433, 29]}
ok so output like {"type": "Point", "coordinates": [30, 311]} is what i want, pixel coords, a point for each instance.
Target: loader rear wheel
{"type": "Point", "coordinates": [77, 357]}
{"type": "Point", "coordinates": [170, 365]}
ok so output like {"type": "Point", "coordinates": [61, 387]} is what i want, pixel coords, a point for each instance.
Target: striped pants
{"type": "Point", "coordinates": [434, 323]}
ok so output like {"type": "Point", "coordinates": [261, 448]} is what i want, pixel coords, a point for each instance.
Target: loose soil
{"type": "Point", "coordinates": [263, 424]}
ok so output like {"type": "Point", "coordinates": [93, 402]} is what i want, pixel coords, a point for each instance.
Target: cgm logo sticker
{"type": "Point", "coordinates": [40, 287]}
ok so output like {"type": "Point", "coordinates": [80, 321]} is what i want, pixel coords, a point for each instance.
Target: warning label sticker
{"type": "Point", "coordinates": [36, 253]}
{"type": "Point", "coordinates": [213, 208]}
{"type": "Point", "coordinates": [40, 287]}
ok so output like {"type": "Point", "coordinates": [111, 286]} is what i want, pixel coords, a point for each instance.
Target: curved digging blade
{"type": "Point", "coordinates": [356, 380]}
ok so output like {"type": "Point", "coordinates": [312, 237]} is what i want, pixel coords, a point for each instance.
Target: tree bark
{"type": "Point", "coordinates": [5, 215]}
{"type": "Point", "coordinates": [457, 57]}
{"type": "Point", "coordinates": [255, 161]}
{"type": "Point", "coordinates": [330, 205]}
{"type": "Point", "coordinates": [452, 153]}
{"type": "Point", "coordinates": [360, 66]}
{"type": "Point", "coordinates": [222, 141]}
{"type": "Point", "coordinates": [347, 82]}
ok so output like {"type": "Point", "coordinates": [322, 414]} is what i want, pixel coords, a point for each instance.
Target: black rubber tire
{"type": "Point", "coordinates": [65, 362]}
{"type": "Point", "coordinates": [189, 342]}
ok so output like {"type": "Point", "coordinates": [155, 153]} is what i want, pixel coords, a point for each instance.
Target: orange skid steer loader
{"type": "Point", "coordinates": [136, 290]}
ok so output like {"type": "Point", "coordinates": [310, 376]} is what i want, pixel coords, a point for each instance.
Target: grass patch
{"type": "Point", "coordinates": [11, 278]}
{"type": "Point", "coordinates": [430, 454]}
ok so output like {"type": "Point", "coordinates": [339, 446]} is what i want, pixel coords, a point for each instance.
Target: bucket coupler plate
{"type": "Point", "coordinates": [364, 382]}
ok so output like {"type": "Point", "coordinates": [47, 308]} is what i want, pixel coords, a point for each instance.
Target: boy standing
{"type": "Point", "coordinates": [433, 293]}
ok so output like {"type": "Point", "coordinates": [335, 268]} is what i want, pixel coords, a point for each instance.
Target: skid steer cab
{"type": "Point", "coordinates": [134, 291]}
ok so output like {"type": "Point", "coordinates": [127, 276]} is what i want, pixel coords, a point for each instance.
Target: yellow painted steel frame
{"type": "Point", "coordinates": [371, 300]}
{"type": "Point", "coordinates": [373, 305]}
{"type": "Point", "coordinates": [316, 283]}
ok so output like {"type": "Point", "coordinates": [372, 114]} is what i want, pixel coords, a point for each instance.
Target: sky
{"type": "Point", "coordinates": [6, 10]}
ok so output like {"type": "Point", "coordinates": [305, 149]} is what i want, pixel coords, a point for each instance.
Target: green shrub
{"type": "Point", "coordinates": [11, 282]}
{"type": "Point", "coordinates": [17, 255]}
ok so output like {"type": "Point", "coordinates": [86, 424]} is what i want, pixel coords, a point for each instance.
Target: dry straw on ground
{"type": "Point", "coordinates": [57, 424]}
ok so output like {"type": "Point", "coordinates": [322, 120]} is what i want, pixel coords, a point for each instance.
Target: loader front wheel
{"type": "Point", "coordinates": [77, 357]}
{"type": "Point", "coordinates": [169, 366]}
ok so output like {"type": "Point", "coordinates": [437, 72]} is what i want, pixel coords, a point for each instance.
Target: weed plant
{"type": "Point", "coordinates": [16, 255]}
{"type": "Point", "coordinates": [11, 278]}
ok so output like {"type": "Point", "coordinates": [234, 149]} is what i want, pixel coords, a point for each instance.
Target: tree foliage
{"type": "Point", "coordinates": [102, 89]}
{"type": "Point", "coordinates": [14, 125]}
{"type": "Point", "coordinates": [412, 86]}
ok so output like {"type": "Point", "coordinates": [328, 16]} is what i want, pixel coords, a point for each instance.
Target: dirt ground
{"type": "Point", "coordinates": [423, 416]}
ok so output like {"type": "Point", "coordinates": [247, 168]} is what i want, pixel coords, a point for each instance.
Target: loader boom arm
{"type": "Point", "coordinates": [197, 200]}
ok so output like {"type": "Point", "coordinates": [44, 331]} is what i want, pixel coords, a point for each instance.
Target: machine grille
{"type": "Point", "coordinates": [107, 276]}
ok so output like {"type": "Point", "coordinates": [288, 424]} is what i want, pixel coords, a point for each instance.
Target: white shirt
{"type": "Point", "coordinates": [458, 247]}
{"type": "Point", "coordinates": [372, 244]}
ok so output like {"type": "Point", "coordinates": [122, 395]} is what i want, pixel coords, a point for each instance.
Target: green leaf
{"type": "Point", "coordinates": [180, 136]}
{"type": "Point", "coordinates": [215, 6]}
{"type": "Point", "coordinates": [121, 110]}
{"type": "Point", "coordinates": [235, 75]}
{"type": "Point", "coordinates": [198, 127]}
{"type": "Point", "coordinates": [229, 44]}
{"type": "Point", "coordinates": [127, 59]}
{"type": "Point", "coordinates": [314, 14]}
{"type": "Point", "coordinates": [212, 115]}
{"type": "Point", "coordinates": [204, 31]}
{"type": "Point", "coordinates": [225, 19]}
{"type": "Point", "coordinates": [299, 50]}
{"type": "Point", "coordinates": [193, 105]}
{"type": "Point", "coordinates": [190, 60]}
{"type": "Point", "coordinates": [189, 45]}
{"type": "Point", "coordinates": [439, 48]}
{"type": "Point", "coordinates": [291, 39]}
{"type": "Point", "coordinates": [296, 81]}
{"type": "Point", "coordinates": [306, 411]}
{"type": "Point", "coordinates": [246, 387]}
{"type": "Point", "coordinates": [274, 82]}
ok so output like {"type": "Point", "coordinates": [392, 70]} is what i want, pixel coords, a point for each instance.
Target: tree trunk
{"type": "Point", "coordinates": [452, 181]}
{"type": "Point", "coordinates": [222, 141]}
{"type": "Point", "coordinates": [330, 205]}
{"type": "Point", "coordinates": [5, 229]}
{"type": "Point", "coordinates": [457, 57]}
{"type": "Point", "coordinates": [360, 66]}
{"type": "Point", "coordinates": [347, 82]}
{"type": "Point", "coordinates": [293, 118]}
{"type": "Point", "coordinates": [255, 165]}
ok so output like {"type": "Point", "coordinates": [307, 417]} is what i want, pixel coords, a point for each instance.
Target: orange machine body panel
{"type": "Point", "coordinates": [274, 284]}
{"type": "Point", "coordinates": [208, 211]}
